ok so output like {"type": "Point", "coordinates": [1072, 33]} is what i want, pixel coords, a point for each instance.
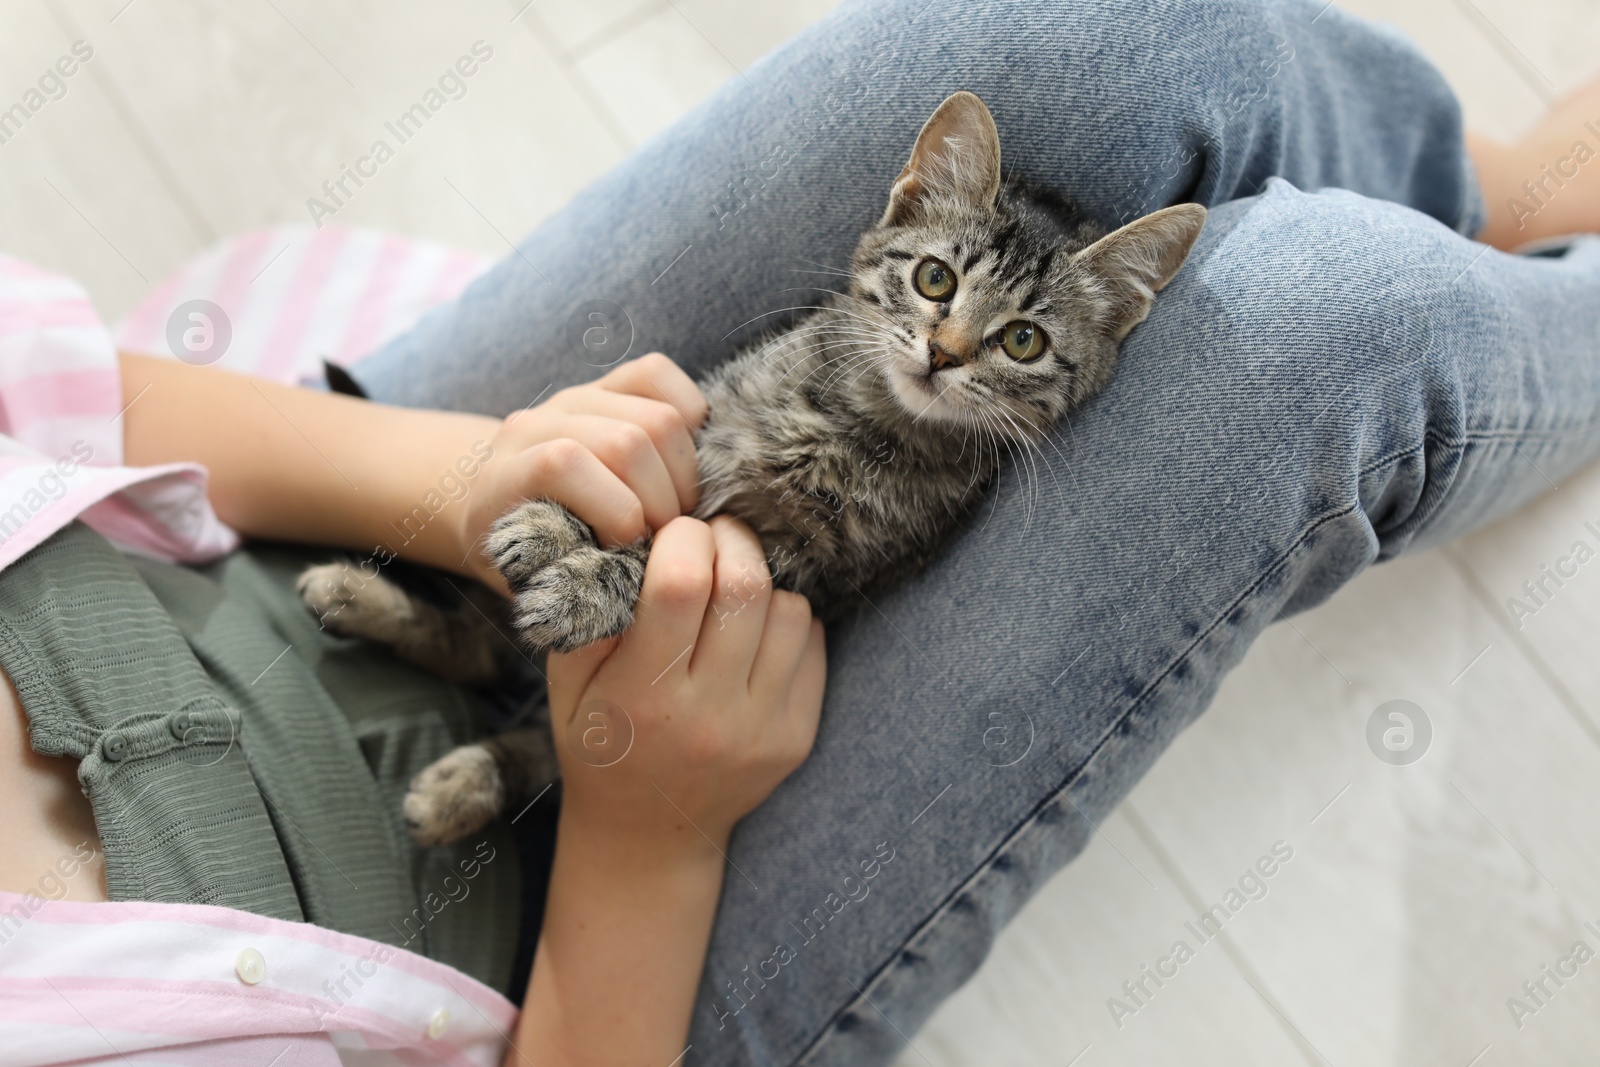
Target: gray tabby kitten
{"type": "Point", "coordinates": [979, 311]}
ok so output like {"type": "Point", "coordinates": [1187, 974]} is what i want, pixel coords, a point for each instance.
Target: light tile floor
{"type": "Point", "coordinates": [1418, 899]}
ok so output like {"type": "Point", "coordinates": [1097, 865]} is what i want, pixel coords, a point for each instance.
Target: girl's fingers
{"type": "Point", "coordinates": [631, 455]}
{"type": "Point", "coordinates": [672, 603]}
{"type": "Point", "coordinates": [655, 377]}
{"type": "Point", "coordinates": [811, 679]}
{"type": "Point", "coordinates": [672, 437]}
{"type": "Point", "coordinates": [571, 672]}
{"type": "Point", "coordinates": [736, 616]}
{"type": "Point", "coordinates": [784, 644]}
{"type": "Point", "coordinates": [807, 686]}
{"type": "Point", "coordinates": [564, 470]}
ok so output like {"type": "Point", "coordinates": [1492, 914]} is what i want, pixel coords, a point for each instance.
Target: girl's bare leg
{"type": "Point", "coordinates": [1547, 184]}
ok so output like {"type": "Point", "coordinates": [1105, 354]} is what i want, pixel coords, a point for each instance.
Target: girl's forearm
{"type": "Point", "coordinates": [621, 949]}
{"type": "Point", "coordinates": [298, 465]}
{"type": "Point", "coordinates": [627, 921]}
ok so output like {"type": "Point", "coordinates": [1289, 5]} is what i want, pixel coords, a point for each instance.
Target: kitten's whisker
{"type": "Point", "coordinates": [1024, 424]}
{"type": "Point", "coordinates": [825, 345]}
{"type": "Point", "coordinates": [780, 311]}
{"type": "Point", "coordinates": [824, 357]}
{"type": "Point", "coordinates": [866, 358]}
{"type": "Point", "coordinates": [871, 365]}
{"type": "Point", "coordinates": [867, 315]}
{"type": "Point", "coordinates": [978, 460]}
{"type": "Point", "coordinates": [1002, 437]}
{"type": "Point", "coordinates": [798, 307]}
{"type": "Point", "coordinates": [1033, 443]}
{"type": "Point", "coordinates": [764, 314]}
{"type": "Point", "coordinates": [1070, 468]}
{"type": "Point", "coordinates": [1027, 501]}
{"type": "Point", "coordinates": [825, 273]}
{"type": "Point", "coordinates": [805, 289]}
{"type": "Point", "coordinates": [994, 495]}
{"type": "Point", "coordinates": [1025, 455]}
{"type": "Point", "coordinates": [849, 356]}
{"type": "Point", "coordinates": [853, 349]}
{"type": "Point", "coordinates": [825, 339]}
{"type": "Point", "coordinates": [803, 354]}
{"type": "Point", "coordinates": [1030, 483]}
{"type": "Point", "coordinates": [970, 432]}
{"type": "Point", "coordinates": [825, 266]}
{"type": "Point", "coordinates": [827, 384]}
{"type": "Point", "coordinates": [1036, 442]}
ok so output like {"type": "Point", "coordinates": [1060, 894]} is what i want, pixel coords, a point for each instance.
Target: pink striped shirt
{"type": "Point", "coordinates": [138, 983]}
{"type": "Point", "coordinates": [293, 295]}
{"type": "Point", "coordinates": [61, 434]}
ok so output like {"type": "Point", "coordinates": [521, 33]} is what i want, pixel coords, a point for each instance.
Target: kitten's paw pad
{"type": "Point", "coordinates": [531, 536]}
{"type": "Point", "coordinates": [454, 796]}
{"type": "Point", "coordinates": [586, 595]}
{"type": "Point", "coordinates": [349, 603]}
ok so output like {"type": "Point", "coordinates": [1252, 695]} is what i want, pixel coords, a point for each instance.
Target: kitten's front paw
{"type": "Point", "coordinates": [454, 796]}
{"type": "Point", "coordinates": [584, 596]}
{"type": "Point", "coordinates": [532, 536]}
{"type": "Point", "coordinates": [348, 603]}
{"type": "Point", "coordinates": [320, 589]}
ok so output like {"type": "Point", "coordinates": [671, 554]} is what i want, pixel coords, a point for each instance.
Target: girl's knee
{"type": "Point", "coordinates": [1213, 49]}
{"type": "Point", "coordinates": [1326, 315]}
{"type": "Point", "coordinates": [1333, 276]}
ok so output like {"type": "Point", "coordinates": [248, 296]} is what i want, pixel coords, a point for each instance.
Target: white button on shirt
{"type": "Point", "coordinates": [251, 967]}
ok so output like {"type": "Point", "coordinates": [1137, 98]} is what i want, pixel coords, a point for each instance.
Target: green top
{"type": "Point", "coordinates": [236, 754]}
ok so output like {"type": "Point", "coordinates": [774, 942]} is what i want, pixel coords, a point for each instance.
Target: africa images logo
{"type": "Point", "coordinates": [1399, 732]}
{"type": "Point", "coordinates": [451, 85]}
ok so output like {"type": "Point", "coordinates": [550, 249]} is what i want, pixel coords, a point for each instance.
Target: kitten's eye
{"type": "Point", "coordinates": [1022, 340]}
{"type": "Point", "coordinates": [935, 280]}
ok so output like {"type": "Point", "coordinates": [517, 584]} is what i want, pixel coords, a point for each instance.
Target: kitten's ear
{"type": "Point", "coordinates": [957, 157]}
{"type": "Point", "coordinates": [1136, 261]}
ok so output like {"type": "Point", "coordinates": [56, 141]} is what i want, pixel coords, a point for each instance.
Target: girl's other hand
{"type": "Point", "coordinates": [715, 690]}
{"type": "Point", "coordinates": [718, 683]}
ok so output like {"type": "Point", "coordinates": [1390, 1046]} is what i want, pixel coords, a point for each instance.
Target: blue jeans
{"type": "Point", "coordinates": [1336, 376]}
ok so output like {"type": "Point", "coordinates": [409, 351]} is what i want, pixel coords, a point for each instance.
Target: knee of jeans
{"type": "Point", "coordinates": [1117, 24]}
{"type": "Point", "coordinates": [1224, 50]}
{"type": "Point", "coordinates": [1332, 317]}
{"type": "Point", "coordinates": [1169, 83]}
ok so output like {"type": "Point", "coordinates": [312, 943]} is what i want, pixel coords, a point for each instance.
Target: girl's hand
{"type": "Point", "coordinates": [618, 453]}
{"type": "Point", "coordinates": [719, 682]}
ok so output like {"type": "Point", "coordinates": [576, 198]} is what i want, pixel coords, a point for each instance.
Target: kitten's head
{"type": "Point", "coordinates": [995, 304]}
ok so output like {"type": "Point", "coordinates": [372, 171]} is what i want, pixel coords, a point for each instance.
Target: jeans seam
{"type": "Point", "coordinates": [1507, 434]}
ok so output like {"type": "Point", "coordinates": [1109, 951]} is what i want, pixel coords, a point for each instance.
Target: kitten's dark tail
{"type": "Point", "coordinates": [339, 381]}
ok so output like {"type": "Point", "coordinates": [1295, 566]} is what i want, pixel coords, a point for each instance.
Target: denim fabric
{"type": "Point", "coordinates": [1336, 376]}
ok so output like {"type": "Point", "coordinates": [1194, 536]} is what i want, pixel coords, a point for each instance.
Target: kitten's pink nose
{"type": "Point", "coordinates": [942, 358]}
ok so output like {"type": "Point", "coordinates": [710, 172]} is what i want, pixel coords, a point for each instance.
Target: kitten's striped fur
{"type": "Point", "coordinates": [853, 442]}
